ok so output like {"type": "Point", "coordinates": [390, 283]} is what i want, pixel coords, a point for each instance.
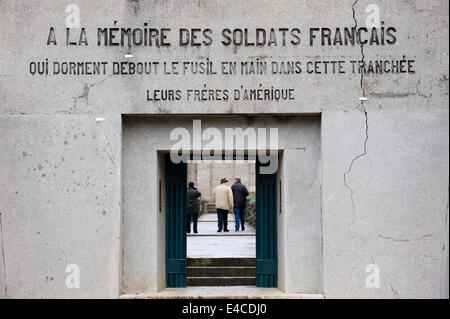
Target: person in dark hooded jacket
{"type": "Point", "coordinates": [192, 207]}
{"type": "Point", "coordinates": [240, 194]}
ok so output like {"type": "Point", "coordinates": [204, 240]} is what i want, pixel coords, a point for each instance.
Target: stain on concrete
{"type": "Point", "coordinates": [110, 154]}
{"type": "Point", "coordinates": [83, 96]}
{"type": "Point", "coordinates": [135, 5]}
{"type": "Point", "coordinates": [398, 95]}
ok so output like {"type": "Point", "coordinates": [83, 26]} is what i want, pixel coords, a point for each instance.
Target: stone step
{"type": "Point", "coordinates": [211, 208]}
{"type": "Point", "coordinates": [221, 281]}
{"type": "Point", "coordinates": [221, 271]}
{"type": "Point", "coordinates": [221, 262]}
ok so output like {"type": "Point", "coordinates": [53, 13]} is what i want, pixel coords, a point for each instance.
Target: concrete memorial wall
{"type": "Point", "coordinates": [367, 168]}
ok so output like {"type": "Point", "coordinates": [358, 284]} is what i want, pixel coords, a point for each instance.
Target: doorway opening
{"type": "Point", "coordinates": [231, 257]}
{"type": "Point", "coordinates": [226, 257]}
{"type": "Point", "coordinates": [145, 143]}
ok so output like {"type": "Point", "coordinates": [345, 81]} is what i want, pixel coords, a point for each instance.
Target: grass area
{"type": "Point", "coordinates": [251, 197]}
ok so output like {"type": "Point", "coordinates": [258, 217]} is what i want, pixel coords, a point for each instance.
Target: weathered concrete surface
{"type": "Point", "coordinates": [301, 210]}
{"type": "Point", "coordinates": [422, 32]}
{"type": "Point", "coordinates": [398, 218]}
{"type": "Point", "coordinates": [399, 215]}
{"type": "Point", "coordinates": [60, 204]}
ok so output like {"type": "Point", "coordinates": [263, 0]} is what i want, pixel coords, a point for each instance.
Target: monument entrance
{"type": "Point", "coordinates": [287, 196]}
{"type": "Point", "coordinates": [182, 271]}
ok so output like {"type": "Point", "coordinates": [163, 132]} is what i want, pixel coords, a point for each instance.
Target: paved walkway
{"type": "Point", "coordinates": [208, 243]}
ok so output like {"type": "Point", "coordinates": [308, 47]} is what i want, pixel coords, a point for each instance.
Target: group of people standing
{"type": "Point", "coordinates": [226, 199]}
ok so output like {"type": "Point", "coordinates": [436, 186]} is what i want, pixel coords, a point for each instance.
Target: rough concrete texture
{"type": "Point", "coordinates": [396, 208]}
{"type": "Point", "coordinates": [384, 162]}
{"type": "Point", "coordinates": [60, 204]}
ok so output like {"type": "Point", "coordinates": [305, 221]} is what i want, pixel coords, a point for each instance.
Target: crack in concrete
{"type": "Point", "coordinates": [85, 94]}
{"type": "Point", "coordinates": [410, 242]}
{"type": "Point", "coordinates": [3, 254]}
{"type": "Point", "coordinates": [109, 152]}
{"type": "Point", "coordinates": [405, 240]}
{"type": "Point", "coordinates": [364, 153]}
{"type": "Point", "coordinates": [362, 49]}
{"type": "Point", "coordinates": [394, 291]}
{"type": "Point", "coordinates": [427, 255]}
{"type": "Point", "coordinates": [14, 112]}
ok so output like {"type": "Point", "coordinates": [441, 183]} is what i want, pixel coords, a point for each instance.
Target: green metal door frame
{"type": "Point", "coordinates": [266, 226]}
{"type": "Point", "coordinates": [176, 175]}
{"type": "Point", "coordinates": [266, 229]}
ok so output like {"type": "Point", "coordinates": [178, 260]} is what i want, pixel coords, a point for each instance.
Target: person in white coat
{"type": "Point", "coordinates": [223, 197]}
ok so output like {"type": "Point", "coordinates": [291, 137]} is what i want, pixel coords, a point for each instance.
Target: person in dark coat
{"type": "Point", "coordinates": [240, 194]}
{"type": "Point", "coordinates": [192, 207]}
